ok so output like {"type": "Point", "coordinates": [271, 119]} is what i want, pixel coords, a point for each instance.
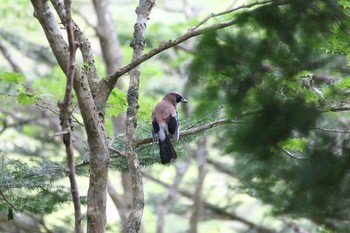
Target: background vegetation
{"type": "Point", "coordinates": [264, 142]}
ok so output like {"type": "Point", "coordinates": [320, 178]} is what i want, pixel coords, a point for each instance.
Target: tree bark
{"type": "Point", "coordinates": [138, 44]}
{"type": "Point", "coordinates": [85, 89]}
{"type": "Point", "coordinates": [66, 119]}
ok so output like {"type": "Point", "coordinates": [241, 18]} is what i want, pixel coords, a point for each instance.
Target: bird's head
{"type": "Point", "coordinates": [175, 98]}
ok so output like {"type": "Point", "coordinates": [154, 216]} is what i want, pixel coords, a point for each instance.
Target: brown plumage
{"type": "Point", "coordinates": [165, 119]}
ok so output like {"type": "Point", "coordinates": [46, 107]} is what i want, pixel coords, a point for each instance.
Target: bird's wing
{"type": "Point", "coordinates": [176, 123]}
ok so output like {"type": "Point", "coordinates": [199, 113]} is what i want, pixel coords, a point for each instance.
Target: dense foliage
{"type": "Point", "coordinates": [282, 76]}
{"type": "Point", "coordinates": [270, 92]}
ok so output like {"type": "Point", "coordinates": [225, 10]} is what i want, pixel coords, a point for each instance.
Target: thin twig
{"type": "Point", "coordinates": [212, 15]}
{"type": "Point", "coordinates": [332, 130]}
{"type": "Point", "coordinates": [219, 211]}
{"type": "Point", "coordinates": [108, 82]}
{"type": "Point", "coordinates": [66, 116]}
{"type": "Point", "coordinates": [290, 154]}
{"type": "Point", "coordinates": [7, 201]}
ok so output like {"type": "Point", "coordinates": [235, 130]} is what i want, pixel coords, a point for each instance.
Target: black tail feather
{"type": "Point", "coordinates": [167, 152]}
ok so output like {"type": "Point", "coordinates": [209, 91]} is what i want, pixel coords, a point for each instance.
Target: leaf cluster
{"type": "Point", "coordinates": [30, 186]}
{"type": "Point", "coordinates": [266, 74]}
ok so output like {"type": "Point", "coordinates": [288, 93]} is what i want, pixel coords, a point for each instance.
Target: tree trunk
{"type": "Point", "coordinates": [85, 89]}
{"type": "Point", "coordinates": [138, 44]}
{"type": "Point", "coordinates": [201, 155]}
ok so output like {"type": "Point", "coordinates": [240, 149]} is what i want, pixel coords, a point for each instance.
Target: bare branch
{"type": "Point", "coordinates": [109, 43]}
{"type": "Point", "coordinates": [337, 109]}
{"type": "Point", "coordinates": [290, 154]}
{"type": "Point", "coordinates": [224, 214]}
{"type": "Point", "coordinates": [89, 67]}
{"type": "Point", "coordinates": [108, 82]}
{"type": "Point", "coordinates": [66, 120]}
{"type": "Point", "coordinates": [332, 130]}
{"type": "Point", "coordinates": [10, 58]}
{"type": "Point", "coordinates": [244, 6]}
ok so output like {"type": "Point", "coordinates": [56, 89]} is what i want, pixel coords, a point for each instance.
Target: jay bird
{"type": "Point", "coordinates": [165, 119]}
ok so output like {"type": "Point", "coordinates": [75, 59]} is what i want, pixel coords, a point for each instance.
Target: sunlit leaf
{"type": "Point", "coordinates": [26, 98]}
{"type": "Point", "coordinates": [12, 77]}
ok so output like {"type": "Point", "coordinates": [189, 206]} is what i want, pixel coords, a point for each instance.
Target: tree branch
{"type": "Point", "coordinates": [53, 34]}
{"type": "Point", "coordinates": [89, 67]}
{"type": "Point", "coordinates": [7, 201]}
{"type": "Point", "coordinates": [332, 130]}
{"type": "Point", "coordinates": [93, 118]}
{"type": "Point", "coordinates": [138, 44]}
{"type": "Point", "coordinates": [192, 131]}
{"type": "Point", "coordinates": [10, 58]}
{"type": "Point", "coordinates": [108, 82]}
{"type": "Point", "coordinates": [244, 6]}
{"type": "Point", "coordinates": [65, 117]}
{"type": "Point", "coordinates": [224, 214]}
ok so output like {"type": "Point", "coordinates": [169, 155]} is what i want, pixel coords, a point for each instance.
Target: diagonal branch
{"type": "Point", "coordinates": [244, 6]}
{"type": "Point", "coordinates": [108, 82]}
{"type": "Point", "coordinates": [8, 56]}
{"type": "Point", "coordinates": [89, 67]}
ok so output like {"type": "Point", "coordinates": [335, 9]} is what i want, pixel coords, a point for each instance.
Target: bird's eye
{"type": "Point", "coordinates": [178, 98]}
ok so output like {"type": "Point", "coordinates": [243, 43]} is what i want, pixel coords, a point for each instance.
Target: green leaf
{"type": "Point", "coordinates": [12, 77]}
{"type": "Point", "coordinates": [297, 144]}
{"type": "Point", "coordinates": [344, 3]}
{"type": "Point", "coordinates": [344, 83]}
{"type": "Point", "coordinates": [117, 102]}
{"type": "Point", "coordinates": [26, 98]}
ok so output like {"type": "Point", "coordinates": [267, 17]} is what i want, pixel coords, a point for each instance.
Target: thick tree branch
{"type": "Point", "coordinates": [66, 119]}
{"type": "Point", "coordinates": [89, 67]}
{"type": "Point", "coordinates": [53, 34]}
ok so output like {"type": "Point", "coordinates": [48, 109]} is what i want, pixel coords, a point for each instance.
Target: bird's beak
{"type": "Point", "coordinates": [184, 100]}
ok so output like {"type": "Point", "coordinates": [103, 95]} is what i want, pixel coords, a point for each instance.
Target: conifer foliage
{"type": "Point", "coordinates": [279, 76]}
